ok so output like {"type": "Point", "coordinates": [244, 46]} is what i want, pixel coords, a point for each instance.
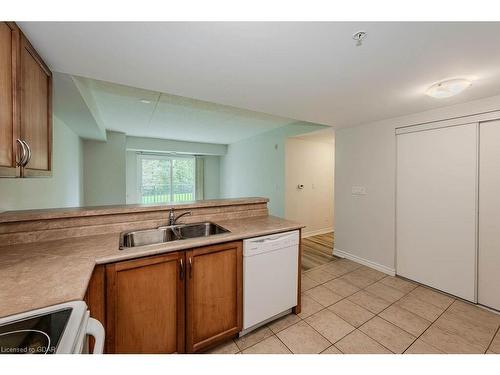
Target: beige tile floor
{"type": "Point", "coordinates": [350, 308]}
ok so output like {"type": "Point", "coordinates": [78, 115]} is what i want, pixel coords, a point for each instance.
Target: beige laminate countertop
{"type": "Point", "coordinates": [36, 275]}
{"type": "Point", "coordinates": [71, 212]}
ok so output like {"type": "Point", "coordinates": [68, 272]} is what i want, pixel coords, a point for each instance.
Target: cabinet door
{"type": "Point", "coordinates": [214, 294]}
{"type": "Point", "coordinates": [436, 208]}
{"type": "Point", "coordinates": [9, 37]}
{"type": "Point", "coordinates": [36, 110]}
{"type": "Point", "coordinates": [489, 214]}
{"type": "Point", "coordinates": [145, 305]}
{"type": "Point", "coordinates": [95, 299]}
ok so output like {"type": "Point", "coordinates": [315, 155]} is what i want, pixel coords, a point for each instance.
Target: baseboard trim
{"type": "Point", "coordinates": [316, 232]}
{"type": "Point", "coordinates": [365, 262]}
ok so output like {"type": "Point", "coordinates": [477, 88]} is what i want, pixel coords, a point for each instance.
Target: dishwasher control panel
{"type": "Point", "coordinates": [272, 242]}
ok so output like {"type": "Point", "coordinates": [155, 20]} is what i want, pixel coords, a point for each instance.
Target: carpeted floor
{"type": "Point", "coordinates": [317, 250]}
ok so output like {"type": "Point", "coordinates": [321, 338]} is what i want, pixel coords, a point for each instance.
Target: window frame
{"type": "Point", "coordinates": [141, 156]}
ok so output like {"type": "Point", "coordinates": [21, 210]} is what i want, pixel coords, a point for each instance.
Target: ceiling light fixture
{"type": "Point", "coordinates": [450, 87]}
{"type": "Point", "coordinates": [145, 101]}
{"type": "Point", "coordinates": [359, 37]}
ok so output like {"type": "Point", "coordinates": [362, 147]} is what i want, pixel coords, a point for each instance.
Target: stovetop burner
{"type": "Point", "coordinates": [36, 335]}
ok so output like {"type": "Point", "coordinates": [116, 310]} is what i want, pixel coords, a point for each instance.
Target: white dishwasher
{"type": "Point", "coordinates": [270, 271]}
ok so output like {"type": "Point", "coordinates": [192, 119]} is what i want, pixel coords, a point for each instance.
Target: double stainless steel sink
{"type": "Point", "coordinates": [169, 233]}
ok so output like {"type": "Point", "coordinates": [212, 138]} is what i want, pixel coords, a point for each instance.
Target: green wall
{"type": "Point", "coordinates": [104, 170]}
{"type": "Point", "coordinates": [256, 166]}
{"type": "Point", "coordinates": [211, 177]}
{"type": "Point", "coordinates": [170, 145]}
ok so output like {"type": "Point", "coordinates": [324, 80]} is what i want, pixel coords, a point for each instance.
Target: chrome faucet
{"type": "Point", "coordinates": [172, 219]}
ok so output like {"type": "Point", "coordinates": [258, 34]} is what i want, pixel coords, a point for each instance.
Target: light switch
{"type": "Point", "coordinates": [358, 190]}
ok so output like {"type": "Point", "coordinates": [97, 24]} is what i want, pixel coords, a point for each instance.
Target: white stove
{"type": "Point", "coordinates": [58, 329]}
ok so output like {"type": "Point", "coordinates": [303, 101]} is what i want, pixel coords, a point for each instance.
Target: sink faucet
{"type": "Point", "coordinates": [172, 219]}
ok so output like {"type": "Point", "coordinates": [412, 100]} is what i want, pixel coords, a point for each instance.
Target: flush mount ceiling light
{"type": "Point", "coordinates": [359, 37]}
{"type": "Point", "coordinates": [448, 88]}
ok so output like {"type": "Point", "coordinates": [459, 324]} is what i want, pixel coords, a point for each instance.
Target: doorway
{"type": "Point", "coordinates": [309, 192]}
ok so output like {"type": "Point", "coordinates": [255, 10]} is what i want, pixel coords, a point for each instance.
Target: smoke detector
{"type": "Point", "coordinates": [359, 37]}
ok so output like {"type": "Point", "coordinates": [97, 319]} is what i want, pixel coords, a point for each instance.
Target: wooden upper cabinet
{"type": "Point", "coordinates": [25, 106]}
{"type": "Point", "coordinates": [36, 110]}
{"type": "Point", "coordinates": [145, 305]}
{"type": "Point", "coordinates": [9, 38]}
{"type": "Point", "coordinates": [214, 294]}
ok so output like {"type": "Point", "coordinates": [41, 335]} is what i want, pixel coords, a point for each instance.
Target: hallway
{"type": "Point", "coordinates": [317, 250]}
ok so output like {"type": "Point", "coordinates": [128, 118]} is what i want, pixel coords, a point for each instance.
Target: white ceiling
{"type": "Point", "coordinates": [71, 107]}
{"type": "Point", "coordinates": [323, 136]}
{"type": "Point", "coordinates": [120, 108]}
{"type": "Point", "coordinates": [306, 71]}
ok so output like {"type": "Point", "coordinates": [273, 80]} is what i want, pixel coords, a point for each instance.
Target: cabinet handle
{"type": "Point", "coordinates": [22, 157]}
{"type": "Point", "coordinates": [181, 271]}
{"type": "Point", "coordinates": [28, 157]}
{"type": "Point", "coordinates": [190, 267]}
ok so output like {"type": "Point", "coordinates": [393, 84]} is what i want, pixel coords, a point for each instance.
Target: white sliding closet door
{"type": "Point", "coordinates": [489, 215]}
{"type": "Point", "coordinates": [436, 208]}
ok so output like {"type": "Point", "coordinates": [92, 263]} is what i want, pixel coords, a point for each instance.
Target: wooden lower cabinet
{"type": "Point", "coordinates": [186, 301]}
{"type": "Point", "coordinates": [145, 305]}
{"type": "Point", "coordinates": [95, 298]}
{"type": "Point", "coordinates": [214, 295]}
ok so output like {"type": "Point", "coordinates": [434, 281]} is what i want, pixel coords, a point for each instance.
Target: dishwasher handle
{"type": "Point", "coordinates": [274, 238]}
{"type": "Point", "coordinates": [268, 239]}
{"type": "Point", "coordinates": [259, 245]}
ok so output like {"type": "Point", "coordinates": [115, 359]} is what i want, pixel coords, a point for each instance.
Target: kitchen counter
{"type": "Point", "coordinates": [41, 274]}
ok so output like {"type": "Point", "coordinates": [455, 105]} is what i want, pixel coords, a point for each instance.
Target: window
{"type": "Point", "coordinates": [166, 179]}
